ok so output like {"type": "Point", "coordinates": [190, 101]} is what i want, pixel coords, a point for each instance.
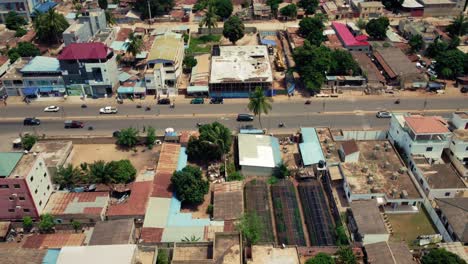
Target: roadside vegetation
{"type": "Point", "coordinates": [202, 44]}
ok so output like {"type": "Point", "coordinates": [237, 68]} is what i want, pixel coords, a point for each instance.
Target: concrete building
{"type": "Point", "coordinates": [442, 8]}
{"type": "Point", "coordinates": [237, 70]}
{"type": "Point", "coordinates": [409, 28]}
{"type": "Point", "coordinates": [454, 215]}
{"type": "Point", "coordinates": [259, 155]}
{"type": "Point", "coordinates": [23, 7]}
{"type": "Point", "coordinates": [25, 185]}
{"type": "Point", "coordinates": [337, 84]}
{"type": "Point", "coordinates": [54, 153]}
{"type": "Point", "coordinates": [93, 64]}
{"type": "Point", "coordinates": [419, 135]}
{"type": "Point", "coordinates": [370, 10]}
{"type": "Point", "coordinates": [349, 151]}
{"type": "Point", "coordinates": [310, 148]}
{"type": "Point", "coordinates": [113, 232]}
{"type": "Point", "coordinates": [349, 41]}
{"type": "Point", "coordinates": [460, 120]}
{"type": "Point", "coordinates": [116, 254]}
{"type": "Point", "coordinates": [90, 24]}
{"type": "Point", "coordinates": [374, 79]}
{"type": "Point", "coordinates": [367, 223]}
{"type": "Point", "coordinates": [388, 253]}
{"type": "Point", "coordinates": [336, 10]}
{"type": "Point", "coordinates": [458, 151]}
{"type": "Point", "coordinates": [200, 76]}
{"type": "Point", "coordinates": [164, 64]}
{"type": "Point", "coordinates": [4, 64]}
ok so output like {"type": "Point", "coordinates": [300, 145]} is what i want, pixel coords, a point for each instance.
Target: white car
{"type": "Point", "coordinates": [108, 110]}
{"type": "Point", "coordinates": [52, 108]}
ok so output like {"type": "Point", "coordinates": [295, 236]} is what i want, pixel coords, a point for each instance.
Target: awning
{"type": "Point", "coordinates": [197, 89]}
{"type": "Point", "coordinates": [139, 90]}
{"type": "Point", "coordinates": [30, 91]}
{"type": "Point", "coordinates": [58, 89]}
{"type": "Point", "coordinates": [125, 90]}
{"type": "Point", "coordinates": [45, 89]}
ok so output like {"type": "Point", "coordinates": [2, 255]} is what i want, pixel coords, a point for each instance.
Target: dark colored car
{"type": "Point", "coordinates": [31, 121]}
{"type": "Point", "coordinates": [198, 100]}
{"type": "Point", "coordinates": [217, 100]}
{"type": "Point", "coordinates": [164, 101]}
{"type": "Point", "coordinates": [73, 124]}
{"type": "Point", "coordinates": [245, 117]}
{"type": "Point", "coordinates": [116, 134]}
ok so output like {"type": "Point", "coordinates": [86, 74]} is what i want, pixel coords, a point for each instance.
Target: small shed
{"type": "Point", "coordinates": [349, 152]}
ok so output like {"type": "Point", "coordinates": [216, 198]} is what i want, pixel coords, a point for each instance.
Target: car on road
{"type": "Point", "coordinates": [383, 114]}
{"type": "Point", "coordinates": [245, 117]}
{"type": "Point", "coordinates": [116, 134]}
{"type": "Point", "coordinates": [464, 90]}
{"type": "Point", "coordinates": [52, 108]}
{"type": "Point", "coordinates": [31, 121]}
{"type": "Point", "coordinates": [198, 100]}
{"type": "Point", "coordinates": [108, 110]}
{"type": "Point", "coordinates": [217, 100]}
{"type": "Point", "coordinates": [73, 124]}
{"type": "Point", "coordinates": [164, 101]}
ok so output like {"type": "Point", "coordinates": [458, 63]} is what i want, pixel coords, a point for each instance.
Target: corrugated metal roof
{"type": "Point", "coordinates": [42, 64]}
{"type": "Point", "coordinates": [84, 51]}
{"type": "Point", "coordinates": [346, 36]}
{"type": "Point", "coordinates": [125, 90]}
{"type": "Point", "coordinates": [311, 150]}
{"type": "Point", "coordinates": [8, 161]}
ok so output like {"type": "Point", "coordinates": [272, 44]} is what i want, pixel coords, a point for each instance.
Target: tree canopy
{"type": "Point", "coordinates": [377, 28]}
{"type": "Point", "coordinates": [103, 4]}
{"type": "Point", "coordinates": [14, 21]}
{"type": "Point", "coordinates": [27, 223]}
{"type": "Point", "coordinates": [458, 26]}
{"type": "Point", "coordinates": [150, 137]}
{"type": "Point", "coordinates": [134, 45]}
{"type": "Point", "coordinates": [23, 49]}
{"type": "Point", "coordinates": [251, 227]}
{"type": "Point", "coordinates": [309, 6]}
{"type": "Point", "coordinates": [68, 176]}
{"type": "Point", "coordinates": [416, 43]}
{"type": "Point", "coordinates": [436, 48]}
{"type": "Point", "coordinates": [452, 63]}
{"type": "Point", "coordinates": [210, 19]}
{"type": "Point", "coordinates": [189, 62]}
{"type": "Point", "coordinates": [49, 26]}
{"type": "Point", "coordinates": [392, 5]}
{"type": "Point", "coordinates": [233, 29]}
{"type": "Point", "coordinates": [128, 137]}
{"type": "Point", "coordinates": [274, 5]}
{"type": "Point", "coordinates": [346, 255]}
{"type": "Point", "coordinates": [28, 141]}
{"type": "Point", "coordinates": [321, 258]}
{"type": "Point", "coordinates": [224, 8]}
{"type": "Point", "coordinates": [189, 185]}
{"type": "Point", "coordinates": [312, 28]}
{"type": "Point", "coordinates": [47, 223]}
{"type": "Point", "coordinates": [440, 255]}
{"type": "Point", "coordinates": [289, 11]}
{"type": "Point", "coordinates": [123, 171]}
{"type": "Point", "coordinates": [158, 7]}
{"type": "Point", "coordinates": [259, 103]}
{"type": "Point", "coordinates": [215, 139]}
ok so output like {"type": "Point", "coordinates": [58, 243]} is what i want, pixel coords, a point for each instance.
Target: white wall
{"type": "Point", "coordinates": [374, 238]}
{"type": "Point", "coordinates": [108, 71]}
{"type": "Point", "coordinates": [458, 122]}
{"type": "Point", "coordinates": [41, 185]}
{"type": "Point", "coordinates": [256, 171]}
{"type": "Point", "coordinates": [459, 148]}
{"type": "Point", "coordinates": [353, 157]}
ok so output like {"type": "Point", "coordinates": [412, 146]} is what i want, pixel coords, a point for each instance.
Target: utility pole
{"type": "Point", "coordinates": [149, 11]}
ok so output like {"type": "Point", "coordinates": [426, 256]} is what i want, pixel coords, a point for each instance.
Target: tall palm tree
{"type": "Point", "coordinates": [210, 20]}
{"type": "Point", "coordinates": [259, 103]}
{"type": "Point", "coordinates": [50, 26]}
{"type": "Point", "coordinates": [134, 44]}
{"type": "Point", "coordinates": [459, 26]}
{"type": "Point", "coordinates": [67, 177]}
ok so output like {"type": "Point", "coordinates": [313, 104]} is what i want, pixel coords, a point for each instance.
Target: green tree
{"type": "Point", "coordinates": [309, 6]}
{"type": "Point", "coordinates": [158, 7]}
{"type": "Point", "coordinates": [110, 18]}
{"type": "Point", "coordinates": [23, 49]}
{"type": "Point", "coordinates": [346, 255]}
{"type": "Point", "coordinates": [289, 11]}
{"type": "Point", "coordinates": [312, 28]}
{"type": "Point", "coordinates": [392, 5]}
{"type": "Point", "coordinates": [282, 171]}
{"type": "Point", "coordinates": [454, 43]}
{"type": "Point", "coordinates": [162, 258]}
{"type": "Point", "coordinates": [101, 172]}
{"type": "Point", "coordinates": [321, 258]}
{"type": "Point", "coordinates": [341, 237]}
{"type": "Point", "coordinates": [342, 63]}
{"type": "Point", "coordinates": [454, 60]}
{"type": "Point", "coordinates": [50, 26]}
{"type": "Point", "coordinates": [218, 134]}
{"type": "Point", "coordinates": [27, 223]}
{"type": "Point", "coordinates": [189, 62]}
{"type": "Point", "coordinates": [67, 177]}
{"type": "Point", "coordinates": [235, 176]}
{"type": "Point", "coordinates": [189, 185]}
{"type": "Point", "coordinates": [128, 137]}
{"type": "Point", "coordinates": [199, 150]}
{"type": "Point", "coordinates": [436, 48]}
{"type": "Point", "coordinates": [123, 171]}
{"type": "Point", "coordinates": [440, 255]}
{"type": "Point", "coordinates": [416, 43]}
{"type": "Point", "coordinates": [150, 137]}
{"type": "Point", "coordinates": [47, 223]}
{"type": "Point", "coordinates": [76, 225]}
{"type": "Point", "coordinates": [361, 23]}
{"type": "Point", "coordinates": [102, 4]}
{"type": "Point", "coordinates": [259, 103]}
{"type": "Point", "coordinates": [134, 45]}
{"type": "Point", "coordinates": [223, 8]}
{"type": "Point", "coordinates": [210, 20]}
{"type": "Point", "coordinates": [233, 29]}
{"type": "Point", "coordinates": [250, 227]}
{"type": "Point", "coordinates": [14, 21]}
{"type": "Point", "coordinates": [274, 5]}
{"type": "Point", "coordinates": [377, 28]}
{"type": "Point", "coordinates": [20, 32]}
{"type": "Point", "coordinates": [28, 141]}
{"type": "Point", "coordinates": [459, 26]}
{"type": "Point", "coordinates": [13, 55]}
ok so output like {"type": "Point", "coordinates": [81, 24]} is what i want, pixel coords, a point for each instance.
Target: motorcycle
{"type": "Point", "coordinates": [308, 102]}
{"type": "Point", "coordinates": [397, 101]}
{"type": "Point", "coordinates": [84, 106]}
{"type": "Point", "coordinates": [147, 108]}
{"type": "Point", "coordinates": [90, 128]}
{"type": "Point", "coordinates": [199, 124]}
{"type": "Point", "coordinates": [138, 106]}
{"type": "Point", "coordinates": [281, 124]}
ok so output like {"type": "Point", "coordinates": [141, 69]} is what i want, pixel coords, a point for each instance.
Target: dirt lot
{"type": "Point", "coordinates": [407, 227]}
{"type": "Point", "coordinates": [248, 39]}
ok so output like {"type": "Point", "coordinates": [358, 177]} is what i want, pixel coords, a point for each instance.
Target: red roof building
{"type": "Point", "coordinates": [135, 205]}
{"type": "Point", "coordinates": [84, 206]}
{"type": "Point", "coordinates": [349, 41]}
{"type": "Point", "coordinates": [426, 124]}
{"type": "Point", "coordinates": [85, 51]}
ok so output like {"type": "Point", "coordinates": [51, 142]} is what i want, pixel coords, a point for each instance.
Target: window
{"type": "Point", "coordinates": [10, 198]}
{"type": "Point", "coordinates": [32, 178]}
{"type": "Point", "coordinates": [26, 210]}
{"type": "Point", "coordinates": [40, 203]}
{"type": "Point", "coordinates": [453, 142]}
{"type": "Point", "coordinates": [429, 148]}
{"type": "Point", "coordinates": [21, 198]}
{"type": "Point", "coordinates": [4, 186]}
{"type": "Point", "coordinates": [16, 186]}
{"type": "Point", "coordinates": [11, 210]}
{"type": "Point", "coordinates": [45, 174]}
{"type": "Point", "coordinates": [48, 187]}
{"type": "Point", "coordinates": [447, 194]}
{"type": "Point", "coordinates": [35, 191]}
{"type": "Point", "coordinates": [466, 149]}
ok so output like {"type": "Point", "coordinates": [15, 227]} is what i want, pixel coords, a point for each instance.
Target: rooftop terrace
{"type": "Point", "coordinates": [439, 176]}
{"type": "Point", "coordinates": [53, 152]}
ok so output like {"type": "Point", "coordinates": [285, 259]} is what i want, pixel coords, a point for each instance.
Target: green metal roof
{"type": "Point", "coordinates": [197, 89]}
{"type": "Point", "coordinates": [8, 161]}
{"type": "Point", "coordinates": [125, 90]}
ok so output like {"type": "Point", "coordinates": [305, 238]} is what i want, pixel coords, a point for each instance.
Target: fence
{"type": "Point", "coordinates": [361, 135]}
{"type": "Point", "coordinates": [436, 220]}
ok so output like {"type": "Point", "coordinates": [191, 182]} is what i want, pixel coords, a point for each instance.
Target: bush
{"type": "Point", "coordinates": [235, 176]}
{"type": "Point", "coordinates": [341, 237]}
{"type": "Point", "coordinates": [128, 137]}
{"type": "Point", "coordinates": [150, 137]}
{"type": "Point", "coordinates": [321, 258]}
{"type": "Point", "coordinates": [282, 171]}
{"type": "Point", "coordinates": [76, 225]}
{"type": "Point", "coordinates": [20, 32]}
{"type": "Point", "coordinates": [209, 209]}
{"type": "Point", "coordinates": [251, 227]}
{"type": "Point", "coordinates": [440, 255]}
{"type": "Point", "coordinates": [47, 223]}
{"type": "Point", "coordinates": [27, 223]}
{"type": "Point", "coordinates": [189, 185]}
{"type": "Point", "coordinates": [162, 257]}
{"type": "Point", "coordinates": [28, 141]}
{"type": "Point", "coordinates": [123, 171]}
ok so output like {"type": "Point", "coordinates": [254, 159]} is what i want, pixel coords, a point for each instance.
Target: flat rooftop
{"type": "Point", "coordinates": [439, 176]}
{"type": "Point", "coordinates": [438, 2]}
{"type": "Point", "coordinates": [396, 60]}
{"type": "Point", "coordinates": [227, 248]}
{"type": "Point", "coordinates": [258, 150]}
{"type": "Point", "coordinates": [54, 153]}
{"type": "Point", "coordinates": [14, 71]}
{"type": "Point", "coordinates": [186, 252]}
{"type": "Point", "coordinates": [24, 165]}
{"type": "Point", "coordinates": [241, 64]}
{"type": "Point", "coordinates": [461, 134]}
{"type": "Point", "coordinates": [426, 124]}
{"type": "Point", "coordinates": [368, 218]}
{"type": "Point", "coordinates": [381, 165]}
{"type": "Point", "coordinates": [272, 255]}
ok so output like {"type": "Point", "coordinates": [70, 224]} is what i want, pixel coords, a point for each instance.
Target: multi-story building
{"type": "Point", "coordinates": [442, 8]}
{"type": "Point", "coordinates": [23, 7]}
{"type": "Point", "coordinates": [25, 185]}
{"type": "Point", "coordinates": [93, 64]}
{"type": "Point", "coordinates": [370, 10]}
{"type": "Point", "coordinates": [458, 150]}
{"type": "Point", "coordinates": [420, 135]}
{"type": "Point", "coordinates": [164, 64]}
{"type": "Point", "coordinates": [89, 24]}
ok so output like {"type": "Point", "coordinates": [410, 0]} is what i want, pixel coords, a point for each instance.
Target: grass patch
{"type": "Point", "coordinates": [203, 44]}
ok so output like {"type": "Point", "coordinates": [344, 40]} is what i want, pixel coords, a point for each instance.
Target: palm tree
{"type": "Point", "coordinates": [259, 103]}
{"type": "Point", "coordinates": [134, 44]}
{"type": "Point", "coordinates": [101, 172]}
{"type": "Point", "coordinates": [50, 26]}
{"type": "Point", "coordinates": [210, 20]}
{"type": "Point", "coordinates": [459, 26]}
{"type": "Point", "coordinates": [68, 177]}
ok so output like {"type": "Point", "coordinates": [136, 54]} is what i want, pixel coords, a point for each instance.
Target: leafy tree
{"type": "Point", "coordinates": [346, 256]}
{"type": "Point", "coordinates": [191, 239]}
{"type": "Point", "coordinates": [312, 28]}
{"type": "Point", "coordinates": [436, 48]}
{"type": "Point", "coordinates": [459, 26]}
{"type": "Point", "coordinates": [20, 32]}
{"type": "Point", "coordinates": [158, 7]}
{"type": "Point", "coordinates": [28, 141]}
{"type": "Point", "coordinates": [189, 62]}
{"type": "Point", "coordinates": [123, 171]}
{"type": "Point", "coordinates": [162, 258]}
{"type": "Point", "coordinates": [416, 43]}
{"type": "Point", "coordinates": [189, 185]}
{"type": "Point", "coordinates": [198, 150]}
{"type": "Point", "coordinates": [454, 43]}
{"type": "Point", "coordinates": [217, 134]}
{"type": "Point", "coordinates": [274, 5]}
{"type": "Point", "coordinates": [233, 29]}
{"type": "Point", "coordinates": [321, 258]}
{"type": "Point", "coordinates": [134, 44]}
{"type": "Point", "coordinates": [13, 21]}
{"type": "Point", "coordinates": [282, 171]}
{"type": "Point", "coordinates": [440, 255]}
{"type": "Point", "coordinates": [342, 63]}
{"type": "Point", "coordinates": [47, 223]}
{"type": "Point", "coordinates": [377, 28]}
{"type": "Point", "coordinates": [259, 103]}
{"type": "Point", "coordinates": [223, 8]}
{"type": "Point", "coordinates": [27, 223]}
{"type": "Point", "coordinates": [76, 225]}
{"type": "Point", "coordinates": [24, 49]}
{"type": "Point", "coordinates": [209, 209]}
{"type": "Point", "coordinates": [101, 172]}
{"type": "Point", "coordinates": [251, 227]}
{"type": "Point", "coordinates": [453, 60]}
{"type": "Point", "coordinates": [289, 11]}
{"type": "Point", "coordinates": [110, 18]}
{"type": "Point", "coordinates": [13, 55]}
{"type": "Point", "coordinates": [309, 6]}
{"type": "Point", "coordinates": [210, 20]}
{"type": "Point", "coordinates": [341, 237]}
{"type": "Point", "coordinates": [392, 5]}
{"type": "Point", "coordinates": [128, 137]}
{"type": "Point", "coordinates": [50, 26]}
{"type": "Point", "coordinates": [361, 23]}
{"type": "Point", "coordinates": [102, 4]}
{"type": "Point", "coordinates": [67, 177]}
{"type": "Point", "coordinates": [150, 137]}
{"type": "Point", "coordinates": [235, 176]}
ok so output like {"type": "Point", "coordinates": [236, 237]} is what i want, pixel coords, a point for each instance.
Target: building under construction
{"type": "Point", "coordinates": [237, 70]}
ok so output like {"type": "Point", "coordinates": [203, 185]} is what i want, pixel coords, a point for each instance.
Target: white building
{"type": "Point", "coordinates": [458, 151]}
{"type": "Point", "coordinates": [164, 64]}
{"type": "Point", "coordinates": [349, 151]}
{"type": "Point", "coordinates": [460, 120]}
{"type": "Point", "coordinates": [259, 155]}
{"type": "Point", "coordinates": [420, 135]}
{"type": "Point", "coordinates": [368, 225]}
{"type": "Point", "coordinates": [109, 254]}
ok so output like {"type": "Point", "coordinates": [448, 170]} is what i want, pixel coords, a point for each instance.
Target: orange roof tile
{"type": "Point", "coordinates": [54, 240]}
{"type": "Point", "coordinates": [136, 203]}
{"type": "Point", "coordinates": [426, 124]}
{"type": "Point", "coordinates": [151, 234]}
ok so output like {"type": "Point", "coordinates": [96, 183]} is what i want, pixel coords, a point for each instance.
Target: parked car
{"type": "Point", "coordinates": [432, 73]}
{"type": "Point", "coordinates": [73, 124]}
{"type": "Point", "coordinates": [245, 117]}
{"type": "Point", "coordinates": [116, 134]}
{"type": "Point", "coordinates": [31, 121]}
{"type": "Point", "coordinates": [108, 110]}
{"type": "Point", "coordinates": [52, 108]}
{"type": "Point", "coordinates": [217, 100]}
{"type": "Point", "coordinates": [164, 101]}
{"type": "Point", "coordinates": [464, 90]}
{"type": "Point", "coordinates": [197, 101]}
{"type": "Point", "coordinates": [383, 114]}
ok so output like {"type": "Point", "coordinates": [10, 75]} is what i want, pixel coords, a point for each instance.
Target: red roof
{"type": "Point", "coordinates": [348, 38]}
{"type": "Point", "coordinates": [136, 203]}
{"type": "Point", "coordinates": [84, 51]}
{"type": "Point", "coordinates": [426, 124]}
